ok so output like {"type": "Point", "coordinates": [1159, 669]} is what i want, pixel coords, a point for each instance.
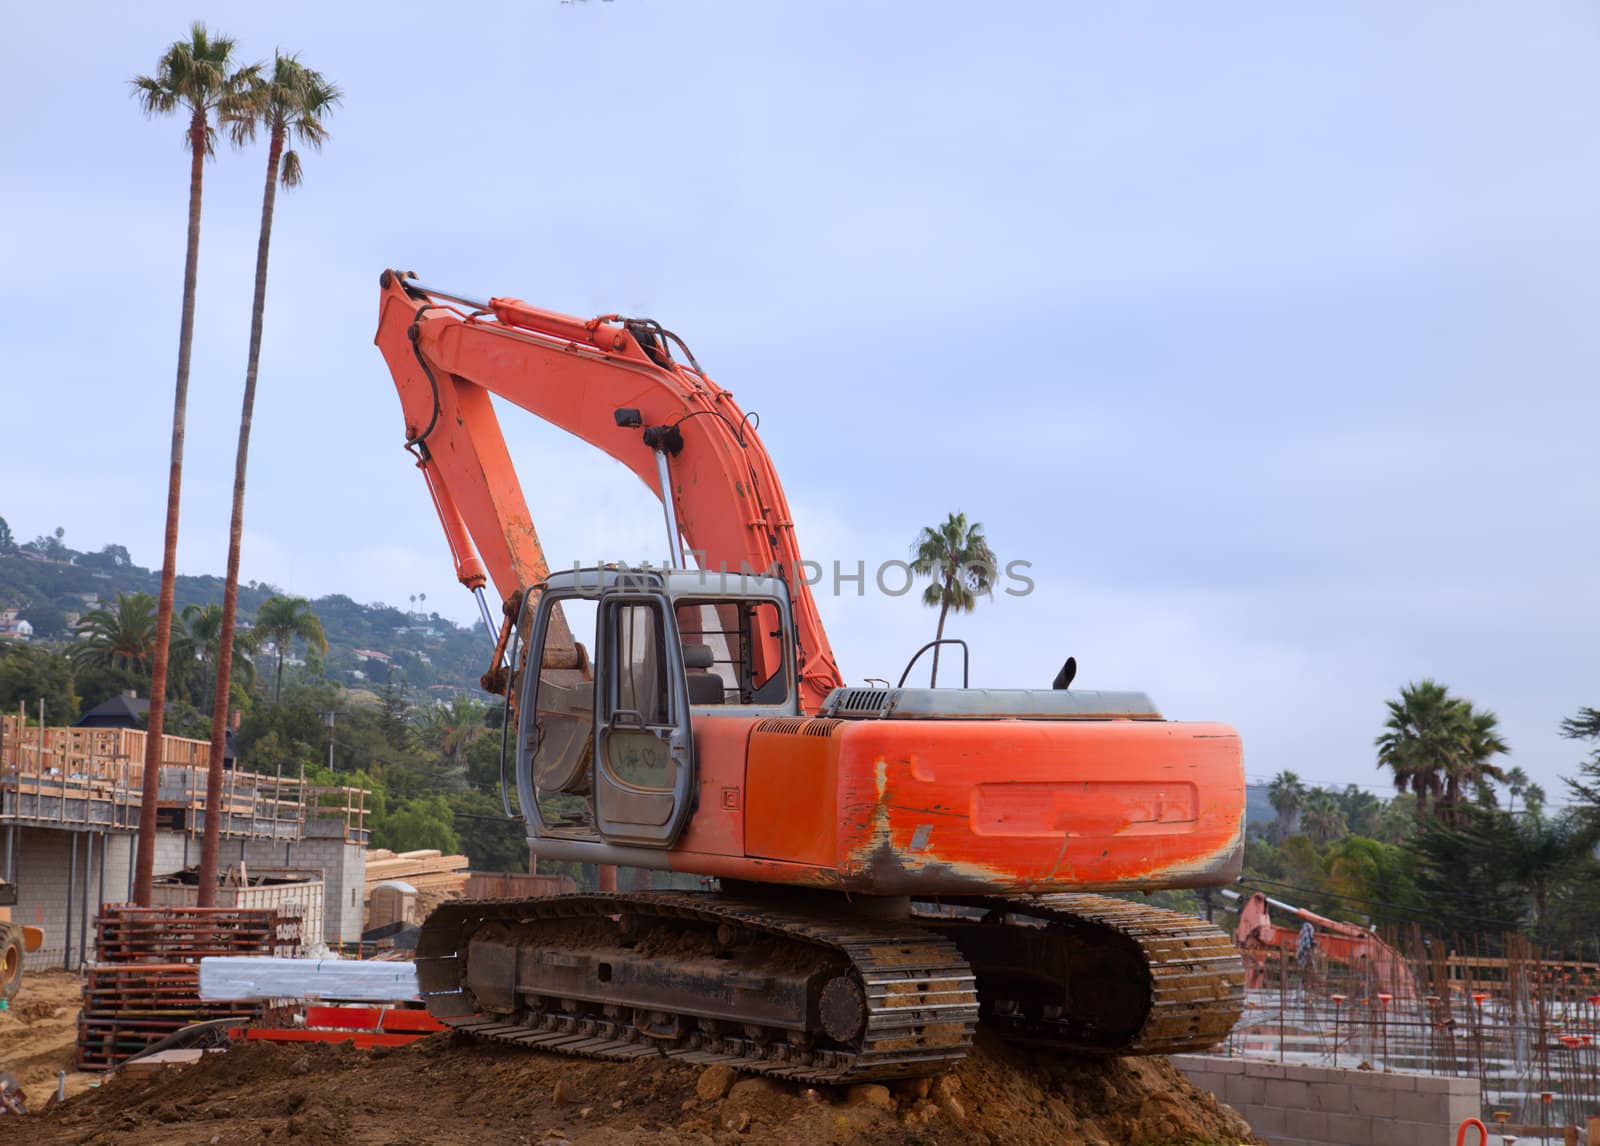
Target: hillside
{"type": "Point", "coordinates": [50, 583]}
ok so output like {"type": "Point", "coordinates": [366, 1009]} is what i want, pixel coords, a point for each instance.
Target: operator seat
{"type": "Point", "coordinates": [705, 686]}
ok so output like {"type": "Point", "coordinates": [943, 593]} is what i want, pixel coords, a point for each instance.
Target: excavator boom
{"type": "Point", "coordinates": [614, 383]}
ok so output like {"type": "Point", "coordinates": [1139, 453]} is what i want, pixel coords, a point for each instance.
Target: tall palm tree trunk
{"type": "Point", "coordinates": [944, 611]}
{"type": "Point", "coordinates": [145, 859]}
{"type": "Point", "coordinates": [211, 844]}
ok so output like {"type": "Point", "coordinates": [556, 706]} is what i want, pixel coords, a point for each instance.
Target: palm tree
{"type": "Point", "coordinates": [285, 620]}
{"type": "Point", "coordinates": [204, 625]}
{"type": "Point", "coordinates": [123, 636]}
{"type": "Point", "coordinates": [957, 557]}
{"type": "Point", "coordinates": [1365, 869]}
{"type": "Point", "coordinates": [1287, 794]}
{"type": "Point", "coordinates": [292, 103]}
{"type": "Point", "coordinates": [1361, 809]}
{"type": "Point", "coordinates": [1516, 784]}
{"type": "Point", "coordinates": [1480, 743]}
{"type": "Point", "coordinates": [449, 729]}
{"type": "Point", "coordinates": [196, 77]}
{"type": "Point", "coordinates": [1324, 819]}
{"type": "Point", "coordinates": [1439, 745]}
{"type": "Point", "coordinates": [1586, 726]}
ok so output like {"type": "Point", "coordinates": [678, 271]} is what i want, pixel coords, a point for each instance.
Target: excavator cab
{"type": "Point", "coordinates": [605, 744]}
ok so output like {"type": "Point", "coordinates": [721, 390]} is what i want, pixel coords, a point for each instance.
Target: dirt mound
{"type": "Point", "coordinates": [38, 1034]}
{"type": "Point", "coordinates": [447, 1090]}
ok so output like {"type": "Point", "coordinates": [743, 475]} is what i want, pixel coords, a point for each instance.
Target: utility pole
{"type": "Point", "coordinates": [328, 719]}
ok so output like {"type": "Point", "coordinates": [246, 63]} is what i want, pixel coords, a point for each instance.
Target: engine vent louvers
{"type": "Point", "coordinates": [798, 726]}
{"type": "Point", "coordinates": [783, 725]}
{"type": "Point", "coordinates": [861, 702]}
{"type": "Point", "coordinates": [820, 727]}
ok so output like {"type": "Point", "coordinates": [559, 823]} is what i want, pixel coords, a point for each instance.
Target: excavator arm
{"type": "Point", "coordinates": [616, 384]}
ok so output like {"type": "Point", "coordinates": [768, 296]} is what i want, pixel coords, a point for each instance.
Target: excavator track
{"type": "Point", "coordinates": [1090, 974]}
{"type": "Point", "coordinates": [701, 978]}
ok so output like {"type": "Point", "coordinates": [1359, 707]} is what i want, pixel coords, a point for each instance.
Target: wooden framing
{"type": "Point", "coordinates": [93, 778]}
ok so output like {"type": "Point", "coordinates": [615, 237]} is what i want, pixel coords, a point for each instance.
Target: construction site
{"type": "Point", "coordinates": [784, 934]}
{"type": "Point", "coordinates": [537, 743]}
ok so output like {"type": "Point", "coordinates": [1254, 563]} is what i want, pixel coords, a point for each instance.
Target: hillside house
{"type": "Point", "coordinates": [13, 627]}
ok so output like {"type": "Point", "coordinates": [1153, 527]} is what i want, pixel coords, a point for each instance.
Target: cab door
{"type": "Point", "coordinates": [644, 748]}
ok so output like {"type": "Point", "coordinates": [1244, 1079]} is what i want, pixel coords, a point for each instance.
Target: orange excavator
{"type": "Point", "coordinates": [1264, 943]}
{"type": "Point", "coordinates": [894, 866]}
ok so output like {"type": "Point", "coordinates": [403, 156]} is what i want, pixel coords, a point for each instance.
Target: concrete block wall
{"type": "Point", "coordinates": [1321, 1106]}
{"type": "Point", "coordinates": [343, 867]}
{"type": "Point", "coordinates": [101, 872]}
{"type": "Point", "coordinates": [45, 867]}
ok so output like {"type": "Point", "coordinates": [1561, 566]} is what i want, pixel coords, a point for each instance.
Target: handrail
{"type": "Point", "coordinates": [966, 659]}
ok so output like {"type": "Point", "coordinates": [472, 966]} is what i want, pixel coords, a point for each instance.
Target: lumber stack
{"type": "Point", "coordinates": [146, 984]}
{"type": "Point", "coordinates": [434, 875]}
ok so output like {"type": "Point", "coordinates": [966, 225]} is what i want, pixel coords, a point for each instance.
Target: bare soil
{"type": "Point", "coordinates": [450, 1090]}
{"type": "Point", "coordinates": [39, 1034]}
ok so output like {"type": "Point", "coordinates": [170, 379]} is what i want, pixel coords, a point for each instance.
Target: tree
{"type": "Point", "coordinates": [8, 543]}
{"type": "Point", "coordinates": [489, 840]}
{"type": "Point", "coordinates": [1324, 819]}
{"type": "Point", "coordinates": [449, 730]}
{"type": "Point", "coordinates": [203, 623]}
{"type": "Point", "coordinates": [425, 822]}
{"type": "Point", "coordinates": [1397, 821]}
{"type": "Point", "coordinates": [29, 674]}
{"type": "Point", "coordinates": [1375, 875]}
{"type": "Point", "coordinates": [1497, 868]}
{"type": "Point", "coordinates": [123, 636]}
{"type": "Point", "coordinates": [1586, 789]}
{"type": "Point", "coordinates": [1362, 810]}
{"type": "Point", "coordinates": [1436, 745]}
{"type": "Point", "coordinates": [1287, 795]}
{"type": "Point", "coordinates": [194, 77]}
{"type": "Point", "coordinates": [1516, 784]}
{"type": "Point", "coordinates": [957, 557]}
{"type": "Point", "coordinates": [285, 620]}
{"type": "Point", "coordinates": [1481, 743]}
{"type": "Point", "coordinates": [289, 104]}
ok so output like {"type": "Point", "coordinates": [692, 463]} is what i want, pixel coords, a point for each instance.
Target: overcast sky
{"type": "Point", "coordinates": [1265, 333]}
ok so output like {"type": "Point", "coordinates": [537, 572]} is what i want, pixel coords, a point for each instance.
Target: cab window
{"type": "Point", "coordinates": [733, 651]}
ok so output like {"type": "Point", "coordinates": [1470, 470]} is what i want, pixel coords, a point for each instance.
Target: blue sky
{"type": "Point", "coordinates": [1265, 334]}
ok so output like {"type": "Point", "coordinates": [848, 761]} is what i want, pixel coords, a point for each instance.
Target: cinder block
{"type": "Point", "coordinates": [1288, 1094]}
{"type": "Point", "coordinates": [1372, 1100]}
{"type": "Point", "coordinates": [1397, 1132]}
{"type": "Point", "coordinates": [1311, 1124]}
{"type": "Point", "coordinates": [1247, 1091]}
{"type": "Point", "coordinates": [1398, 1081]}
{"type": "Point", "coordinates": [1331, 1096]}
{"type": "Point", "coordinates": [1257, 1069]}
{"type": "Point", "coordinates": [1420, 1106]}
{"type": "Point", "coordinates": [1213, 1064]}
{"type": "Point", "coordinates": [1354, 1129]}
{"type": "Point", "coordinates": [1306, 1073]}
{"type": "Point", "coordinates": [1269, 1122]}
{"type": "Point", "coordinates": [1461, 1106]}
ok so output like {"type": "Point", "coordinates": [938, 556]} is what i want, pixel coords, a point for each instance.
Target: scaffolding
{"type": "Point", "coordinates": [93, 778]}
{"type": "Point", "coordinates": [1524, 1022]}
